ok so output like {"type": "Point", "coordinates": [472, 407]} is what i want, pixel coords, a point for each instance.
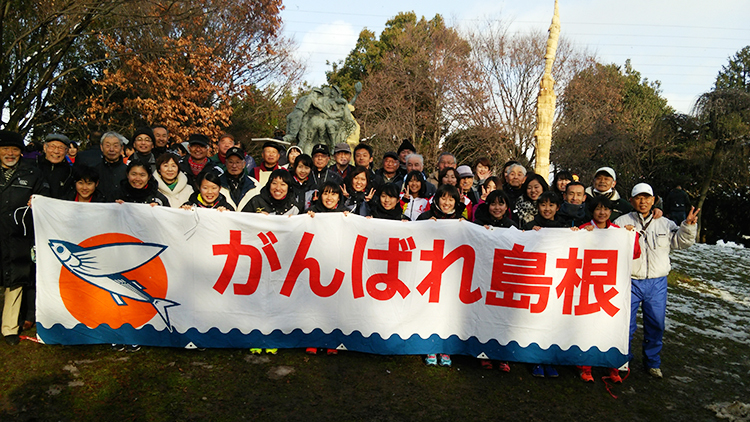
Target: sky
{"type": "Point", "coordinates": [682, 44]}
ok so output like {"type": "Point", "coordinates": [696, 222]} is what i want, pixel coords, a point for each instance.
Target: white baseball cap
{"type": "Point", "coordinates": [641, 188]}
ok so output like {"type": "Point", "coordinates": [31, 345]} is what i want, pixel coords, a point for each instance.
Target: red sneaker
{"type": "Point", "coordinates": [332, 351]}
{"type": "Point", "coordinates": [586, 373]}
{"type": "Point", "coordinates": [503, 366]}
{"type": "Point", "coordinates": [614, 375]}
{"type": "Point", "coordinates": [486, 363]}
{"type": "Point", "coordinates": [311, 350]}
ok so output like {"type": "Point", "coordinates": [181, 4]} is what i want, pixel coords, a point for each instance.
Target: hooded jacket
{"type": "Point", "coordinates": [221, 201]}
{"type": "Point", "coordinates": [179, 194]}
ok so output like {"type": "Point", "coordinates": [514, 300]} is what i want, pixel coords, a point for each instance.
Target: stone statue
{"type": "Point", "coordinates": [322, 117]}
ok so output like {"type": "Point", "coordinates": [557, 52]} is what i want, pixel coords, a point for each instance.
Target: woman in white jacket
{"type": "Point", "coordinates": [172, 183]}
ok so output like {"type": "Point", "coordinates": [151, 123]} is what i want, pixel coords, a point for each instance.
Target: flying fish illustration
{"type": "Point", "coordinates": [102, 266]}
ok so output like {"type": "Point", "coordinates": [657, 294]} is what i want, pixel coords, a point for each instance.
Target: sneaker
{"type": "Point", "coordinates": [256, 351]}
{"type": "Point", "coordinates": [503, 366]}
{"type": "Point", "coordinates": [431, 360]}
{"type": "Point", "coordinates": [445, 360]}
{"type": "Point", "coordinates": [133, 348]}
{"type": "Point", "coordinates": [332, 352]}
{"type": "Point", "coordinates": [311, 350]}
{"type": "Point", "coordinates": [625, 367]}
{"type": "Point", "coordinates": [586, 374]}
{"type": "Point", "coordinates": [655, 372]}
{"type": "Point", "coordinates": [486, 363]}
{"type": "Point", "coordinates": [12, 340]}
{"type": "Point", "coordinates": [550, 371]}
{"type": "Point", "coordinates": [272, 351]}
{"type": "Point", "coordinates": [118, 347]}
{"type": "Point", "coordinates": [538, 371]}
{"type": "Point", "coordinates": [614, 375]}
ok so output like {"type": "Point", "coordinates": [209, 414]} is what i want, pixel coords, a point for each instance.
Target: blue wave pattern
{"type": "Point", "coordinates": [375, 344]}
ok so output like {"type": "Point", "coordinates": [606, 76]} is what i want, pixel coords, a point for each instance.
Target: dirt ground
{"type": "Point", "coordinates": [704, 375]}
{"type": "Point", "coordinates": [76, 383]}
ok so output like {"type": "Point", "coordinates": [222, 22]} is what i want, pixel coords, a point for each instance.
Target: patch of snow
{"type": "Point", "coordinates": [716, 302]}
{"type": "Point", "coordinates": [729, 244]}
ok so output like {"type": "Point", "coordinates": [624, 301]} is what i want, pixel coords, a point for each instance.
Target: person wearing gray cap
{"type": "Point", "coordinates": [605, 180]}
{"type": "Point", "coordinates": [57, 171]}
{"type": "Point", "coordinates": [19, 179]}
{"type": "Point", "coordinates": [342, 155]}
{"type": "Point", "coordinates": [658, 236]}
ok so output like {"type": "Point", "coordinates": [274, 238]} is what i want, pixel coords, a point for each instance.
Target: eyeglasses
{"type": "Point", "coordinates": [56, 147]}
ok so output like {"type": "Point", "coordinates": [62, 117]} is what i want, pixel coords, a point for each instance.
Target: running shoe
{"type": "Point", "coordinates": [256, 351]}
{"type": "Point", "coordinates": [431, 360]}
{"type": "Point", "coordinates": [550, 371]}
{"type": "Point", "coordinates": [538, 371]}
{"type": "Point", "coordinates": [614, 375]}
{"type": "Point", "coordinates": [272, 351]}
{"type": "Point", "coordinates": [445, 360]}
{"type": "Point", "coordinates": [503, 366]}
{"type": "Point", "coordinates": [655, 372]}
{"type": "Point", "coordinates": [486, 363]}
{"type": "Point", "coordinates": [586, 374]}
{"type": "Point", "coordinates": [311, 350]}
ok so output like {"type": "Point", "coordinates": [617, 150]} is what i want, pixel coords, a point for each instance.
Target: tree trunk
{"type": "Point", "coordinates": [713, 163]}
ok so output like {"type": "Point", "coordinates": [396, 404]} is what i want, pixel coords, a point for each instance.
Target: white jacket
{"type": "Point", "coordinates": [181, 192]}
{"type": "Point", "coordinates": [657, 238]}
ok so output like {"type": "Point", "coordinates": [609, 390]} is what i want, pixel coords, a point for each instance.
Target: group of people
{"type": "Point", "coordinates": [325, 181]}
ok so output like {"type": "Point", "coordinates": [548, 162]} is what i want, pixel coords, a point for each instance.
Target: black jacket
{"type": "Point", "coordinates": [59, 176]}
{"type": "Point", "coordinates": [146, 195]}
{"type": "Point", "coordinates": [377, 211]}
{"type": "Point", "coordinates": [436, 212]}
{"type": "Point", "coordinates": [264, 202]}
{"type": "Point", "coordinates": [483, 217]}
{"type": "Point", "coordinates": [543, 222]}
{"type": "Point", "coordinates": [110, 176]}
{"type": "Point", "coordinates": [16, 224]}
{"type": "Point", "coordinates": [221, 201]}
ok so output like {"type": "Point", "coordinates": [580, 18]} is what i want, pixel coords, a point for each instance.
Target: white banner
{"type": "Point", "coordinates": [130, 273]}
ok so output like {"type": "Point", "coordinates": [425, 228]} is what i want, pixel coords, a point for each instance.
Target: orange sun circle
{"type": "Point", "coordinates": [94, 306]}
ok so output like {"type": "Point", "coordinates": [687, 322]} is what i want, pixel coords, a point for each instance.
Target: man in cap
{"type": "Point", "coordinates": [405, 149]}
{"type": "Point", "coordinates": [320, 172]}
{"type": "Point", "coordinates": [269, 161]}
{"type": "Point", "coordinates": [236, 186]}
{"type": "Point", "coordinates": [390, 172]}
{"type": "Point", "coordinates": [658, 236]}
{"type": "Point", "coordinates": [143, 142]}
{"type": "Point", "coordinates": [197, 161]}
{"type": "Point", "coordinates": [112, 170]}
{"type": "Point", "coordinates": [342, 155]}
{"type": "Point", "coordinates": [19, 180]}
{"type": "Point", "coordinates": [57, 171]}
{"type": "Point", "coordinates": [604, 184]}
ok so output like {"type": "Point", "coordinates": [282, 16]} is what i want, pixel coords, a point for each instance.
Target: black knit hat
{"type": "Point", "coordinates": [11, 139]}
{"type": "Point", "coordinates": [406, 145]}
{"type": "Point", "coordinates": [144, 131]}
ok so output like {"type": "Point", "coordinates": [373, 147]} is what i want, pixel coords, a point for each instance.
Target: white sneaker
{"type": "Point", "coordinates": [624, 367]}
{"type": "Point", "coordinates": [655, 372]}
